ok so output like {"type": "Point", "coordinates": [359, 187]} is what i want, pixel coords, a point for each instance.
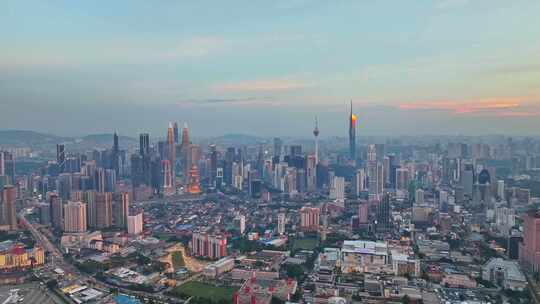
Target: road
{"type": "Point", "coordinates": [71, 269]}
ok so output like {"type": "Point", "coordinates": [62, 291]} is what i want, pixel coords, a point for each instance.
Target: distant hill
{"type": "Point", "coordinates": [25, 138]}
{"type": "Point", "coordinates": [106, 139]}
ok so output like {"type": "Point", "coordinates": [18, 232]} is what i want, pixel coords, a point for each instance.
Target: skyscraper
{"type": "Point", "coordinates": [121, 210]}
{"type": "Point", "coordinates": [135, 224]}
{"type": "Point", "coordinates": [316, 134]}
{"type": "Point", "coordinates": [175, 131]}
{"type": "Point", "coordinates": [144, 144]}
{"type": "Point", "coordinates": [352, 135]}
{"type": "Point", "coordinates": [167, 176]}
{"type": "Point", "coordinates": [383, 213]}
{"type": "Point", "coordinates": [281, 223]}
{"type": "Point", "coordinates": [60, 157]}
{"type": "Point", "coordinates": [309, 218]}
{"type": "Point", "coordinates": [185, 135]}
{"type": "Point", "coordinates": [213, 165]}
{"type": "Point", "coordinates": [9, 196]}
{"type": "Point", "coordinates": [7, 166]}
{"type": "Point", "coordinates": [171, 152]}
{"type": "Point", "coordinates": [194, 182]}
{"type": "Point", "coordinates": [103, 210]}
{"type": "Point", "coordinates": [75, 217]}
{"type": "Point", "coordinates": [529, 249]}
{"type": "Point", "coordinates": [57, 211]}
{"type": "Point", "coordinates": [115, 155]}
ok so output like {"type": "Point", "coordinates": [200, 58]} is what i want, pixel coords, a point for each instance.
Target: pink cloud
{"type": "Point", "coordinates": [495, 105]}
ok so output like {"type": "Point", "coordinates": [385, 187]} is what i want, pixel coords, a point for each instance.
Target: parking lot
{"type": "Point", "coordinates": [29, 293]}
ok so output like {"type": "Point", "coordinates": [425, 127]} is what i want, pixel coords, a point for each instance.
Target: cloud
{"type": "Point", "coordinates": [272, 85]}
{"type": "Point", "coordinates": [244, 100]}
{"type": "Point", "coordinates": [487, 106]}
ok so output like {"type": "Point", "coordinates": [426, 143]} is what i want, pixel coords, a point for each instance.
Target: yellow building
{"type": "Point", "coordinates": [15, 256]}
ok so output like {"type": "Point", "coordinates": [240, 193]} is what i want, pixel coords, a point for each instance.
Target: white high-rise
{"type": "Point", "coordinates": [281, 223]}
{"type": "Point", "coordinates": [135, 224]}
{"type": "Point", "coordinates": [337, 191]}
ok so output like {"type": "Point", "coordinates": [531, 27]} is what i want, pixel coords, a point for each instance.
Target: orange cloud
{"type": "Point", "coordinates": [466, 107]}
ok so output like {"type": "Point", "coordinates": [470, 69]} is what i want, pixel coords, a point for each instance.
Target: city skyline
{"type": "Point", "coordinates": [450, 67]}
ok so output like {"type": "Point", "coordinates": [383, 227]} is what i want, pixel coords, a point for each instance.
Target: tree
{"type": "Point", "coordinates": [52, 284]}
{"type": "Point", "coordinates": [405, 299]}
{"type": "Point", "coordinates": [295, 271]}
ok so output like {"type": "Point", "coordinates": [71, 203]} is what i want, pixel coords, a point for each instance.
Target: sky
{"type": "Point", "coordinates": [270, 67]}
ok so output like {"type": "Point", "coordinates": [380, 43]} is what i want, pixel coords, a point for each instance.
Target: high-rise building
{"type": "Point", "coordinates": [419, 196]}
{"type": "Point", "coordinates": [194, 186]}
{"type": "Point", "coordinates": [135, 224]}
{"type": "Point", "coordinates": [121, 210]}
{"type": "Point", "coordinates": [103, 210]}
{"type": "Point", "coordinates": [311, 168]}
{"type": "Point", "coordinates": [500, 189]}
{"type": "Point", "coordinates": [171, 152]}
{"type": "Point", "coordinates": [359, 182]}
{"type": "Point", "coordinates": [402, 179]}
{"type": "Point", "coordinates": [278, 146]}
{"type": "Point", "coordinates": [75, 217]}
{"type": "Point", "coordinates": [185, 136]}
{"type": "Point", "coordinates": [213, 165]}
{"type": "Point", "coordinates": [363, 213]}
{"type": "Point", "coordinates": [7, 166]}
{"type": "Point", "coordinates": [316, 134]}
{"type": "Point", "coordinates": [383, 213]}
{"type": "Point", "coordinates": [309, 218]}
{"type": "Point", "coordinates": [115, 155]}
{"type": "Point", "coordinates": [168, 186]}
{"type": "Point", "coordinates": [529, 249]}
{"type": "Point", "coordinates": [281, 223]}
{"type": "Point", "coordinates": [175, 132]}
{"type": "Point", "coordinates": [144, 144]}
{"type": "Point", "coordinates": [207, 245]}
{"type": "Point", "coordinates": [352, 135]}
{"type": "Point", "coordinates": [9, 212]}
{"type": "Point", "coordinates": [337, 190]}
{"type": "Point", "coordinates": [240, 223]}
{"type": "Point", "coordinates": [57, 211]}
{"type": "Point", "coordinates": [89, 197]}
{"type": "Point", "coordinates": [60, 157]}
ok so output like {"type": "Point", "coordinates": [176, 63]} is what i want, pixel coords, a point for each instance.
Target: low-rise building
{"type": "Point", "coordinates": [215, 269]}
{"type": "Point", "coordinates": [505, 274]}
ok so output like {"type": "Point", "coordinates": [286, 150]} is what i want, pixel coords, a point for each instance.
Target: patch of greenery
{"type": "Point", "coordinates": [177, 259]}
{"type": "Point", "coordinates": [204, 293]}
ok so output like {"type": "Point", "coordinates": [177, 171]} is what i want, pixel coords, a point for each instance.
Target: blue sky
{"type": "Point", "coordinates": [268, 67]}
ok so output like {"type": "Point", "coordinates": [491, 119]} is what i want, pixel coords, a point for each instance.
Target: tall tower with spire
{"type": "Point", "coordinates": [352, 134]}
{"type": "Point", "coordinates": [316, 134]}
{"type": "Point", "coordinates": [115, 154]}
{"type": "Point", "coordinates": [185, 136]}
